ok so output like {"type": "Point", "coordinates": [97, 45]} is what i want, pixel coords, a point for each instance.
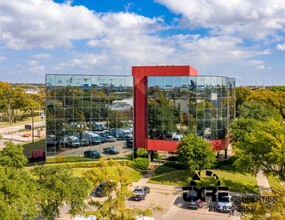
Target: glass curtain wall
{"type": "Point", "coordinates": [179, 105]}
{"type": "Point", "coordinates": [89, 113]}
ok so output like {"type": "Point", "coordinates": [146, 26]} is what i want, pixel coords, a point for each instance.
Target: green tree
{"type": "Point", "coordinates": [56, 186]}
{"type": "Point", "coordinates": [261, 146]}
{"type": "Point", "coordinates": [17, 187]}
{"type": "Point", "coordinates": [114, 206]}
{"type": "Point", "coordinates": [255, 110]}
{"type": "Point", "coordinates": [242, 95]}
{"type": "Point", "coordinates": [194, 153]}
{"type": "Point", "coordinates": [270, 98]}
{"type": "Point", "coordinates": [271, 210]}
{"type": "Point", "coordinates": [14, 98]}
{"type": "Point", "coordinates": [12, 156]}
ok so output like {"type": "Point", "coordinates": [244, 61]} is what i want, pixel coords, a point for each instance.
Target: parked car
{"type": "Point", "coordinates": [70, 141]}
{"type": "Point", "coordinates": [110, 138]}
{"type": "Point", "coordinates": [140, 193]}
{"type": "Point", "coordinates": [130, 143]}
{"type": "Point", "coordinates": [91, 137]}
{"type": "Point", "coordinates": [192, 201]}
{"type": "Point", "coordinates": [103, 188]}
{"type": "Point", "coordinates": [99, 126]}
{"type": "Point", "coordinates": [117, 133]}
{"type": "Point", "coordinates": [52, 140]}
{"type": "Point", "coordinates": [102, 137]}
{"type": "Point", "coordinates": [92, 154]}
{"type": "Point", "coordinates": [111, 150]}
{"type": "Point", "coordinates": [84, 142]}
{"type": "Point", "coordinates": [226, 205]}
{"type": "Point", "coordinates": [128, 134]}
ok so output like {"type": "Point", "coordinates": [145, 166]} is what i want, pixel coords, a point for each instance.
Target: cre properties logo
{"type": "Point", "coordinates": [219, 194]}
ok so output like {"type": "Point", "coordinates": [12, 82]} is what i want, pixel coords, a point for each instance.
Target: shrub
{"type": "Point", "coordinates": [172, 158]}
{"type": "Point", "coordinates": [175, 165]}
{"type": "Point", "coordinates": [141, 164]}
{"type": "Point", "coordinates": [95, 164]}
{"type": "Point", "coordinates": [226, 164]}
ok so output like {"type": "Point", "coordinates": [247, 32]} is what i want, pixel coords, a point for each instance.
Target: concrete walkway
{"type": "Point", "coordinates": [262, 182]}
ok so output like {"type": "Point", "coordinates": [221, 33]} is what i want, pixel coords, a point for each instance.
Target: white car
{"type": "Point", "coordinates": [226, 205]}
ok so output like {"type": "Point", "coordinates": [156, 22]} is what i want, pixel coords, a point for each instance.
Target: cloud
{"type": "Point", "coordinates": [42, 56]}
{"type": "Point", "coordinates": [2, 57]}
{"type": "Point", "coordinates": [46, 24]}
{"type": "Point", "coordinates": [83, 61]}
{"type": "Point", "coordinates": [280, 47]}
{"type": "Point", "coordinates": [35, 67]}
{"type": "Point", "coordinates": [248, 19]}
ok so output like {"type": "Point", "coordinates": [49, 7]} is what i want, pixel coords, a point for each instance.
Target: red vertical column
{"type": "Point", "coordinates": [140, 126]}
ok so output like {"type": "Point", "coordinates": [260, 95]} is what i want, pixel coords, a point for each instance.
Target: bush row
{"type": "Point", "coordinates": [96, 164]}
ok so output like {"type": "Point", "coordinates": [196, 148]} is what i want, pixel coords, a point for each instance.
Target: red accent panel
{"type": "Point", "coordinates": [218, 145]}
{"type": "Point", "coordinates": [140, 95]}
{"type": "Point", "coordinates": [162, 145]}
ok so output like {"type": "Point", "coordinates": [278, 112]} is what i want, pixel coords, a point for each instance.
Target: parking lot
{"type": "Point", "coordinates": [120, 145]}
{"type": "Point", "coordinates": [169, 199]}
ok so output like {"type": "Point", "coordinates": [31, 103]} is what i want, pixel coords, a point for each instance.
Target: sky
{"type": "Point", "coordinates": [238, 38]}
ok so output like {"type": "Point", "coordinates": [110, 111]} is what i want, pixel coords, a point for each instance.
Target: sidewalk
{"type": "Point", "coordinates": [262, 182]}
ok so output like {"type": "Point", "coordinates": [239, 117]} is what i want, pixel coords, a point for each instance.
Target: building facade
{"type": "Point", "coordinates": [152, 109]}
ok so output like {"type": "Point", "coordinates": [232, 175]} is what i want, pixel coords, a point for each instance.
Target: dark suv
{"type": "Point", "coordinates": [139, 193]}
{"type": "Point", "coordinates": [129, 143]}
{"type": "Point", "coordinates": [103, 189]}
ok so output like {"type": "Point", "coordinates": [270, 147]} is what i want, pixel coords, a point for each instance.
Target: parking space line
{"type": "Point", "coordinates": [147, 198]}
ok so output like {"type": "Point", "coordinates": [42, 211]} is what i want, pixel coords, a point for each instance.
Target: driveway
{"type": "Point", "coordinates": [169, 198]}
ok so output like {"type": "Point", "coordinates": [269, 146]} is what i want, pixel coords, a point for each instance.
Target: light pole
{"type": "Point", "coordinates": [39, 114]}
{"type": "Point", "coordinates": [32, 110]}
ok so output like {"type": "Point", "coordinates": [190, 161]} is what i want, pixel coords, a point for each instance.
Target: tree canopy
{"type": "Point", "coordinates": [271, 210]}
{"type": "Point", "coordinates": [14, 99]}
{"type": "Point", "coordinates": [194, 153]}
{"type": "Point", "coordinates": [25, 195]}
{"type": "Point", "coordinates": [56, 185]}
{"type": "Point", "coordinates": [258, 134]}
{"type": "Point", "coordinates": [114, 206]}
{"type": "Point", "coordinates": [258, 111]}
{"type": "Point", "coordinates": [260, 145]}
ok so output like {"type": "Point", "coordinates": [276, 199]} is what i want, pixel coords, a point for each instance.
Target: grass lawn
{"type": "Point", "coordinates": [237, 182]}
{"type": "Point", "coordinates": [27, 120]}
{"type": "Point", "coordinates": [273, 181]}
{"type": "Point", "coordinates": [37, 145]}
{"type": "Point", "coordinates": [62, 159]}
{"type": "Point", "coordinates": [134, 175]}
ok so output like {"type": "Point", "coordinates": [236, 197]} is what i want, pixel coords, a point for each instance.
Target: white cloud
{"type": "Point", "coordinates": [46, 24]}
{"type": "Point", "coordinates": [248, 19]}
{"type": "Point", "coordinates": [83, 61]}
{"type": "Point", "coordinates": [2, 57]}
{"type": "Point", "coordinates": [35, 67]}
{"type": "Point", "coordinates": [280, 47]}
{"type": "Point", "coordinates": [42, 56]}
{"type": "Point", "coordinates": [260, 67]}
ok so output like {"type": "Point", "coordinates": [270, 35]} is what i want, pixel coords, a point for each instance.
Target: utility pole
{"type": "Point", "coordinates": [9, 107]}
{"type": "Point", "coordinates": [32, 109]}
